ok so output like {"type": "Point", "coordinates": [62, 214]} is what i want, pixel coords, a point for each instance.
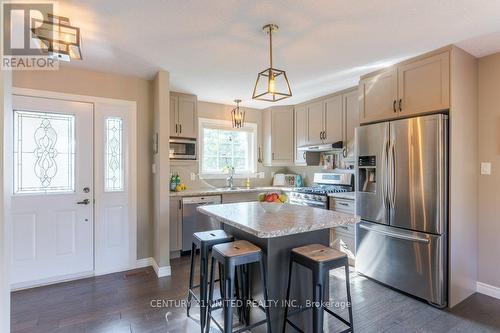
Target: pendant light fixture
{"type": "Point", "coordinates": [57, 37]}
{"type": "Point", "coordinates": [238, 115]}
{"type": "Point", "coordinates": [272, 84]}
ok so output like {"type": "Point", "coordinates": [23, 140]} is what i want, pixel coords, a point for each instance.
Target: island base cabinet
{"type": "Point", "coordinates": [277, 260]}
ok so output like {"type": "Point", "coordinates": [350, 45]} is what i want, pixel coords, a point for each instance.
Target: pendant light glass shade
{"type": "Point", "coordinates": [272, 84]}
{"type": "Point", "coordinates": [238, 115]}
{"type": "Point", "coordinates": [57, 37]}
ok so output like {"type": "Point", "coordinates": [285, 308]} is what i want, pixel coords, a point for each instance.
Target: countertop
{"type": "Point", "coordinates": [290, 219]}
{"type": "Point", "coordinates": [344, 195]}
{"type": "Point", "coordinates": [218, 191]}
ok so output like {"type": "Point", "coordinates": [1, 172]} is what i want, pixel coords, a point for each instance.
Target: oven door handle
{"type": "Point", "coordinates": [309, 203]}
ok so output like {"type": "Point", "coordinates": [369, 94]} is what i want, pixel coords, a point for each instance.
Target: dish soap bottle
{"type": "Point", "coordinates": [172, 182]}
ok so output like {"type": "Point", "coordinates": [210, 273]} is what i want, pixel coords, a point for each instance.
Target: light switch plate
{"type": "Point", "coordinates": [486, 168]}
{"type": "Point", "coordinates": [193, 176]}
{"type": "Point", "coordinates": [153, 168]}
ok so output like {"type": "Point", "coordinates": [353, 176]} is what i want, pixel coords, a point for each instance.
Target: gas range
{"type": "Point", "coordinates": [324, 183]}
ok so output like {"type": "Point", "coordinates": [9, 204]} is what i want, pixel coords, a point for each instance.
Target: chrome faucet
{"type": "Point", "coordinates": [230, 177]}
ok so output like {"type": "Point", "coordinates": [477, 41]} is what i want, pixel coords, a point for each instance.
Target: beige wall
{"type": "Point", "coordinates": [222, 112]}
{"type": "Point", "coordinates": [84, 82]}
{"type": "Point", "coordinates": [489, 186]}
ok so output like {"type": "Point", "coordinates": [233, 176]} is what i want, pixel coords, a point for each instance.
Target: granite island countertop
{"type": "Point", "coordinates": [290, 219]}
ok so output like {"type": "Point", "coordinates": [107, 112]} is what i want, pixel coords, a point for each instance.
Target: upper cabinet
{"type": "Point", "coordinates": [424, 85]}
{"type": "Point", "coordinates": [334, 127]}
{"type": "Point", "coordinates": [315, 124]}
{"type": "Point", "coordinates": [351, 121]}
{"type": "Point", "coordinates": [327, 120]}
{"type": "Point", "coordinates": [413, 87]}
{"type": "Point", "coordinates": [183, 115]}
{"type": "Point", "coordinates": [378, 96]}
{"type": "Point", "coordinates": [300, 130]}
{"type": "Point", "coordinates": [277, 134]}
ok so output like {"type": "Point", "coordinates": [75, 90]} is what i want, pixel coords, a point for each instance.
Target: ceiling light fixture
{"type": "Point", "coordinates": [272, 84]}
{"type": "Point", "coordinates": [238, 115]}
{"type": "Point", "coordinates": [57, 37]}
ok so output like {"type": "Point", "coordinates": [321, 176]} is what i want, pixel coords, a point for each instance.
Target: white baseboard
{"type": "Point", "coordinates": [144, 262]}
{"type": "Point", "coordinates": [48, 281]}
{"type": "Point", "coordinates": [161, 271]}
{"type": "Point", "coordinates": [487, 289]}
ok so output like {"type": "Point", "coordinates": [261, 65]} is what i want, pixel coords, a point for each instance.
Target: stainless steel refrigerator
{"type": "Point", "coordinates": [402, 198]}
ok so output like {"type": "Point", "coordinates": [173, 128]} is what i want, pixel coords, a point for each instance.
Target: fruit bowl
{"type": "Point", "coordinates": [271, 202]}
{"type": "Point", "coordinates": [271, 207]}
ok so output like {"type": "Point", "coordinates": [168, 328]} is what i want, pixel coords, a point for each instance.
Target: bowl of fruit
{"type": "Point", "coordinates": [272, 202]}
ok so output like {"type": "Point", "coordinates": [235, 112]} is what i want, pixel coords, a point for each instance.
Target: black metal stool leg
{"type": "Point", "coordinates": [266, 299]}
{"type": "Point", "coordinates": [210, 296]}
{"type": "Point", "coordinates": [191, 275]}
{"type": "Point", "coordinates": [229, 271]}
{"type": "Point", "coordinates": [221, 280]}
{"type": "Point", "coordinates": [317, 309]}
{"type": "Point", "coordinates": [349, 301]}
{"type": "Point", "coordinates": [203, 285]}
{"type": "Point", "coordinates": [287, 294]}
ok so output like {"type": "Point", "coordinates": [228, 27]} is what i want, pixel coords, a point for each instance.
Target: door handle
{"type": "Point", "coordinates": [175, 128]}
{"type": "Point", "coordinates": [180, 128]}
{"type": "Point", "coordinates": [84, 202]}
{"type": "Point", "coordinates": [400, 102]}
{"type": "Point", "coordinates": [394, 106]}
{"type": "Point", "coordinates": [396, 235]}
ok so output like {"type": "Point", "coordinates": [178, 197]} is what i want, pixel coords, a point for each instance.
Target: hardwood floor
{"type": "Point", "coordinates": [121, 302]}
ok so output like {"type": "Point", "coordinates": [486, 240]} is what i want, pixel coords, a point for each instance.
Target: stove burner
{"type": "Point", "coordinates": [324, 189]}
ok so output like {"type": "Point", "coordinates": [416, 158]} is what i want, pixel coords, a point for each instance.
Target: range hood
{"type": "Point", "coordinates": [336, 146]}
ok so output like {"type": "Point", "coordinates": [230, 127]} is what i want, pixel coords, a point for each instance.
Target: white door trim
{"type": "Point", "coordinates": [132, 107]}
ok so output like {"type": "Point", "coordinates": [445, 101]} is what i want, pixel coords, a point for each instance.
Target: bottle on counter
{"type": "Point", "coordinates": [173, 183]}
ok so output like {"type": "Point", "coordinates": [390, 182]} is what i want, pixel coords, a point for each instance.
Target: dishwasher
{"type": "Point", "coordinates": [193, 221]}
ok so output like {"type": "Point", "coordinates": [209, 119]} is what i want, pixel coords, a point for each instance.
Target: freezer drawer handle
{"type": "Point", "coordinates": [396, 235]}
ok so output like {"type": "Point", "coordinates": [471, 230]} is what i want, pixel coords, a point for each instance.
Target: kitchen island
{"type": "Point", "coordinates": [277, 234]}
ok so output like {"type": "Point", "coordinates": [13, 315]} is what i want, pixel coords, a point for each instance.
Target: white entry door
{"type": "Point", "coordinates": [52, 202]}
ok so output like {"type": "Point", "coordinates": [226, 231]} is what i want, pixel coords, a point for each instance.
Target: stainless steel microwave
{"type": "Point", "coordinates": [182, 149]}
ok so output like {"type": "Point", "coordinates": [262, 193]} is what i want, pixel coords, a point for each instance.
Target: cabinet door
{"type": "Point", "coordinates": [300, 125]}
{"type": "Point", "coordinates": [378, 96]}
{"type": "Point", "coordinates": [333, 119]}
{"type": "Point", "coordinates": [174, 126]}
{"type": "Point", "coordinates": [351, 116]}
{"type": "Point", "coordinates": [315, 122]}
{"type": "Point", "coordinates": [282, 136]}
{"type": "Point", "coordinates": [187, 117]}
{"type": "Point", "coordinates": [424, 85]}
{"type": "Point", "coordinates": [175, 224]}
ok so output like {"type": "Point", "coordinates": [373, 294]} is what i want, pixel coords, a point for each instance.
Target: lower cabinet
{"type": "Point", "coordinates": [342, 238]}
{"type": "Point", "coordinates": [239, 197]}
{"type": "Point", "coordinates": [175, 224]}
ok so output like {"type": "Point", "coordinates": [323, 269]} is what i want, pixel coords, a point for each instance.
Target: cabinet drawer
{"type": "Point", "coordinates": [342, 205]}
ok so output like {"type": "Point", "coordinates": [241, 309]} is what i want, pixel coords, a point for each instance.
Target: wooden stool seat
{"type": "Point", "coordinates": [237, 248]}
{"type": "Point", "coordinates": [318, 252]}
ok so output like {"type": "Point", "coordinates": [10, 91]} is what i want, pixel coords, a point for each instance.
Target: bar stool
{"type": "Point", "coordinates": [204, 240]}
{"type": "Point", "coordinates": [319, 259]}
{"type": "Point", "coordinates": [233, 256]}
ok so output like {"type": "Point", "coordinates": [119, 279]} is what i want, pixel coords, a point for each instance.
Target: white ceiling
{"type": "Point", "coordinates": [215, 48]}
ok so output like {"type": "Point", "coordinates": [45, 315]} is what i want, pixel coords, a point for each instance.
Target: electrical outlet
{"type": "Point", "coordinates": [193, 176]}
{"type": "Point", "coordinates": [486, 168]}
{"type": "Point", "coordinates": [153, 168]}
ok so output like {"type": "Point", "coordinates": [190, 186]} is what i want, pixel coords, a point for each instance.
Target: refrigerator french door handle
{"type": "Point", "coordinates": [395, 234]}
{"type": "Point", "coordinates": [392, 194]}
{"type": "Point", "coordinates": [385, 177]}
